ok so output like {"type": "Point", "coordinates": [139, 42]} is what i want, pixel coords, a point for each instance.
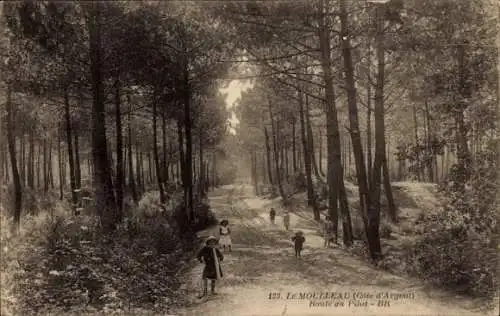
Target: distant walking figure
{"type": "Point", "coordinates": [212, 257]}
{"type": "Point", "coordinates": [272, 215]}
{"type": "Point", "coordinates": [299, 241]}
{"type": "Point", "coordinates": [225, 235]}
{"type": "Point", "coordinates": [286, 220]}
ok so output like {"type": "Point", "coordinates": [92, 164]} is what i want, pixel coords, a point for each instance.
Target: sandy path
{"type": "Point", "coordinates": [262, 263]}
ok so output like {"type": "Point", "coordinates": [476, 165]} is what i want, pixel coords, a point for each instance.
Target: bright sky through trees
{"type": "Point", "coordinates": [233, 92]}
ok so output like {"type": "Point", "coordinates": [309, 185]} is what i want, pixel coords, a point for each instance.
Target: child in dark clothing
{"type": "Point", "coordinates": [299, 241]}
{"type": "Point", "coordinates": [212, 257]}
{"type": "Point", "coordinates": [272, 215]}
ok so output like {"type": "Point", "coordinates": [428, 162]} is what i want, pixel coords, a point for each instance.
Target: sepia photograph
{"type": "Point", "coordinates": [250, 157]}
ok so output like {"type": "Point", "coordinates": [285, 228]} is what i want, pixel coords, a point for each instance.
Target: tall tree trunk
{"type": "Point", "coordinates": [370, 218]}
{"type": "Point", "coordinates": [343, 153]}
{"type": "Point", "coordinates": [31, 167]}
{"type": "Point", "coordinates": [60, 164]}
{"type": "Point", "coordinates": [5, 163]}
{"type": "Point", "coordinates": [300, 162]}
{"type": "Point", "coordinates": [189, 147]}
{"type": "Point", "coordinates": [345, 214]}
{"type": "Point", "coordinates": [287, 164]}
{"type": "Point", "coordinates": [120, 166]}
{"type": "Point", "coordinates": [50, 171]}
{"type": "Point", "coordinates": [310, 139]}
{"type": "Point", "coordinates": [195, 171]}
{"type": "Point", "coordinates": [276, 153]}
{"type": "Point", "coordinates": [282, 150]}
{"type": "Point", "coordinates": [382, 164]}
{"type": "Point", "coordinates": [3, 156]}
{"type": "Point", "coordinates": [131, 178]}
{"type": "Point", "coordinates": [182, 158]}
{"type": "Point", "coordinates": [369, 159]}
{"type": "Point", "coordinates": [38, 167]}
{"type": "Point", "coordinates": [320, 153]}
{"type": "Point", "coordinates": [171, 163]}
{"type": "Point", "coordinates": [125, 165]}
{"type": "Point", "coordinates": [182, 162]}
{"type": "Point", "coordinates": [23, 159]}
{"type": "Point", "coordinates": [375, 182]}
{"type": "Point", "coordinates": [105, 199]}
{"type": "Point", "coordinates": [111, 156]}
{"type": "Point", "coordinates": [264, 169]}
{"type": "Point", "coordinates": [150, 168]}
{"type": "Point", "coordinates": [214, 171]}
{"type": "Point", "coordinates": [387, 152]}
{"type": "Point", "coordinates": [368, 119]}
{"type": "Point", "coordinates": [429, 137]}
{"type": "Point", "coordinates": [138, 171]}
{"type": "Point", "coordinates": [45, 167]}
{"type": "Point", "coordinates": [178, 171]}
{"type": "Point", "coordinates": [63, 165]}
{"type": "Point", "coordinates": [201, 181]}
{"type": "Point", "coordinates": [142, 172]}
{"type": "Point", "coordinates": [89, 165]}
{"type": "Point", "coordinates": [78, 170]}
{"type": "Point", "coordinates": [69, 141]}
{"type": "Point", "coordinates": [156, 153]}
{"type": "Point", "coordinates": [165, 150]}
{"type": "Point", "coordinates": [335, 178]}
{"type": "Point", "coordinates": [294, 159]}
{"type": "Point", "coordinates": [208, 178]}
{"type": "Point", "coordinates": [311, 198]}
{"type": "Point", "coordinates": [277, 141]}
{"type": "Point", "coordinates": [268, 157]}
{"type": "Point", "coordinates": [391, 205]}
{"type": "Point", "coordinates": [253, 171]}
{"type": "Point", "coordinates": [11, 139]}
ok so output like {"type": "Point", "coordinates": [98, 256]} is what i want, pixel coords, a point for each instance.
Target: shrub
{"type": "Point", "coordinates": [300, 181]}
{"type": "Point", "coordinates": [407, 228]}
{"type": "Point", "coordinates": [457, 258]}
{"type": "Point", "coordinates": [204, 216]}
{"type": "Point", "coordinates": [320, 189]}
{"type": "Point", "coordinates": [150, 203]}
{"type": "Point", "coordinates": [458, 248]}
{"type": "Point", "coordinates": [358, 229]}
{"type": "Point", "coordinates": [385, 230]}
{"type": "Point", "coordinates": [61, 264]}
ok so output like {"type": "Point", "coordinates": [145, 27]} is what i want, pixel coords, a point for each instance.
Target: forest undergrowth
{"type": "Point", "coordinates": [63, 264]}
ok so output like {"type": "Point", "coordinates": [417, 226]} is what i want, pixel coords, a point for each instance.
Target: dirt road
{"type": "Point", "coordinates": [262, 277]}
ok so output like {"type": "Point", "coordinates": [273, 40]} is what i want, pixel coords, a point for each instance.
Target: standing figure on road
{"type": "Point", "coordinates": [299, 241]}
{"type": "Point", "coordinates": [211, 257]}
{"type": "Point", "coordinates": [286, 220]}
{"type": "Point", "coordinates": [272, 215]}
{"type": "Point", "coordinates": [225, 235]}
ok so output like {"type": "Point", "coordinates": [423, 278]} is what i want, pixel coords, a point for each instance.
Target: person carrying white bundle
{"type": "Point", "coordinates": [225, 235]}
